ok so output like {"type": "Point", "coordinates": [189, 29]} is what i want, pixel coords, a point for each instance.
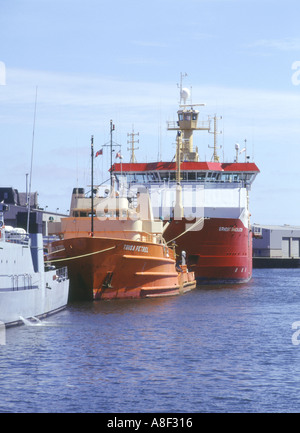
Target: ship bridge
{"type": "Point", "coordinates": [209, 174]}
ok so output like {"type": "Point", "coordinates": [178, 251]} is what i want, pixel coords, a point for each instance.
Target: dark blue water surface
{"type": "Point", "coordinates": [220, 349]}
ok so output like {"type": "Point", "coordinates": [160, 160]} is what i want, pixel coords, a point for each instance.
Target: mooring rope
{"type": "Point", "coordinates": [78, 257]}
{"type": "Point", "coordinates": [56, 251]}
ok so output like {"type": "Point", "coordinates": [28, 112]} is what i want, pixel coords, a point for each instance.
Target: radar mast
{"type": "Point", "coordinates": [187, 123]}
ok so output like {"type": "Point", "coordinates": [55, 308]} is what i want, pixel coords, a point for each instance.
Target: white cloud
{"type": "Point", "coordinates": [150, 44]}
{"type": "Point", "coordinates": [83, 100]}
{"type": "Point", "coordinates": [284, 44]}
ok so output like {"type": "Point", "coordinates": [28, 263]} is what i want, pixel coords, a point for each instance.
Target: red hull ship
{"type": "Point", "coordinates": [204, 205]}
{"type": "Point", "coordinates": [216, 256]}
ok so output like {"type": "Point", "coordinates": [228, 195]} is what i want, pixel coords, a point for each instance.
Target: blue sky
{"type": "Point", "coordinates": [93, 61]}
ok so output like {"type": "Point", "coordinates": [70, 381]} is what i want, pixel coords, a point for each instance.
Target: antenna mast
{"type": "Point", "coordinates": [111, 144]}
{"type": "Point", "coordinates": [92, 183]}
{"type": "Point", "coordinates": [182, 75]}
{"type": "Point", "coordinates": [132, 142]}
{"type": "Point", "coordinates": [215, 132]}
{"type": "Point", "coordinates": [32, 145]}
{"type": "Point", "coordinates": [246, 157]}
{"type": "Point", "coordinates": [112, 128]}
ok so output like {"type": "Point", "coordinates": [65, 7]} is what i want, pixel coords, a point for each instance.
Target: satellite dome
{"type": "Point", "coordinates": [185, 94]}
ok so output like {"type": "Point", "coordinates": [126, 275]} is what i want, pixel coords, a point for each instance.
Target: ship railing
{"type": "Point", "coordinates": [201, 124]}
{"type": "Point", "coordinates": [155, 238]}
{"type": "Point", "coordinates": [147, 238]}
{"type": "Point", "coordinates": [17, 238]}
{"type": "Point", "coordinates": [16, 282]}
{"type": "Point", "coordinates": [201, 181]}
{"type": "Point", "coordinates": [50, 238]}
{"type": "Point", "coordinates": [224, 184]}
{"type": "Point", "coordinates": [172, 124]}
{"type": "Point", "coordinates": [48, 243]}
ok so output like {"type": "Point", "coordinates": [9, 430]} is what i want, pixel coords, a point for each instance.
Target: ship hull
{"type": "Point", "coordinates": [17, 306]}
{"type": "Point", "coordinates": [106, 268]}
{"type": "Point", "coordinates": [218, 251]}
{"type": "Point", "coordinates": [27, 292]}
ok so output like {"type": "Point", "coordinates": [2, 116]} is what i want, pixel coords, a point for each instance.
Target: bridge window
{"type": "Point", "coordinates": [192, 175]}
{"type": "Point", "coordinates": [201, 176]}
{"type": "Point", "coordinates": [249, 177]}
{"type": "Point", "coordinates": [229, 177]}
{"type": "Point", "coordinates": [152, 177]}
{"type": "Point", "coordinates": [164, 175]}
{"type": "Point", "coordinates": [130, 177]}
{"type": "Point", "coordinates": [173, 175]}
{"type": "Point", "coordinates": [140, 178]}
{"type": "Point", "coordinates": [213, 176]}
{"type": "Point", "coordinates": [184, 175]}
{"type": "Point", "coordinates": [237, 177]}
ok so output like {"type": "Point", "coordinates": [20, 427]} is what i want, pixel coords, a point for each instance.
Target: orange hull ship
{"type": "Point", "coordinates": [124, 256]}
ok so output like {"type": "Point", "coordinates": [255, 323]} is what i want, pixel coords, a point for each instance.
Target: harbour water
{"type": "Point", "coordinates": [221, 349]}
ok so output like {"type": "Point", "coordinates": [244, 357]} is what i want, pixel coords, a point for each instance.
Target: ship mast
{"type": "Point", "coordinates": [215, 132]}
{"type": "Point", "coordinates": [185, 126]}
{"type": "Point", "coordinates": [187, 123]}
{"type": "Point", "coordinates": [178, 153]}
{"type": "Point", "coordinates": [132, 141]}
{"type": "Point", "coordinates": [92, 185]}
{"type": "Point", "coordinates": [112, 128]}
{"type": "Point", "coordinates": [28, 198]}
{"type": "Point", "coordinates": [111, 146]}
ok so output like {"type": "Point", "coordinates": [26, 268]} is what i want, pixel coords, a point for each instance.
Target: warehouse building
{"type": "Point", "coordinates": [276, 246]}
